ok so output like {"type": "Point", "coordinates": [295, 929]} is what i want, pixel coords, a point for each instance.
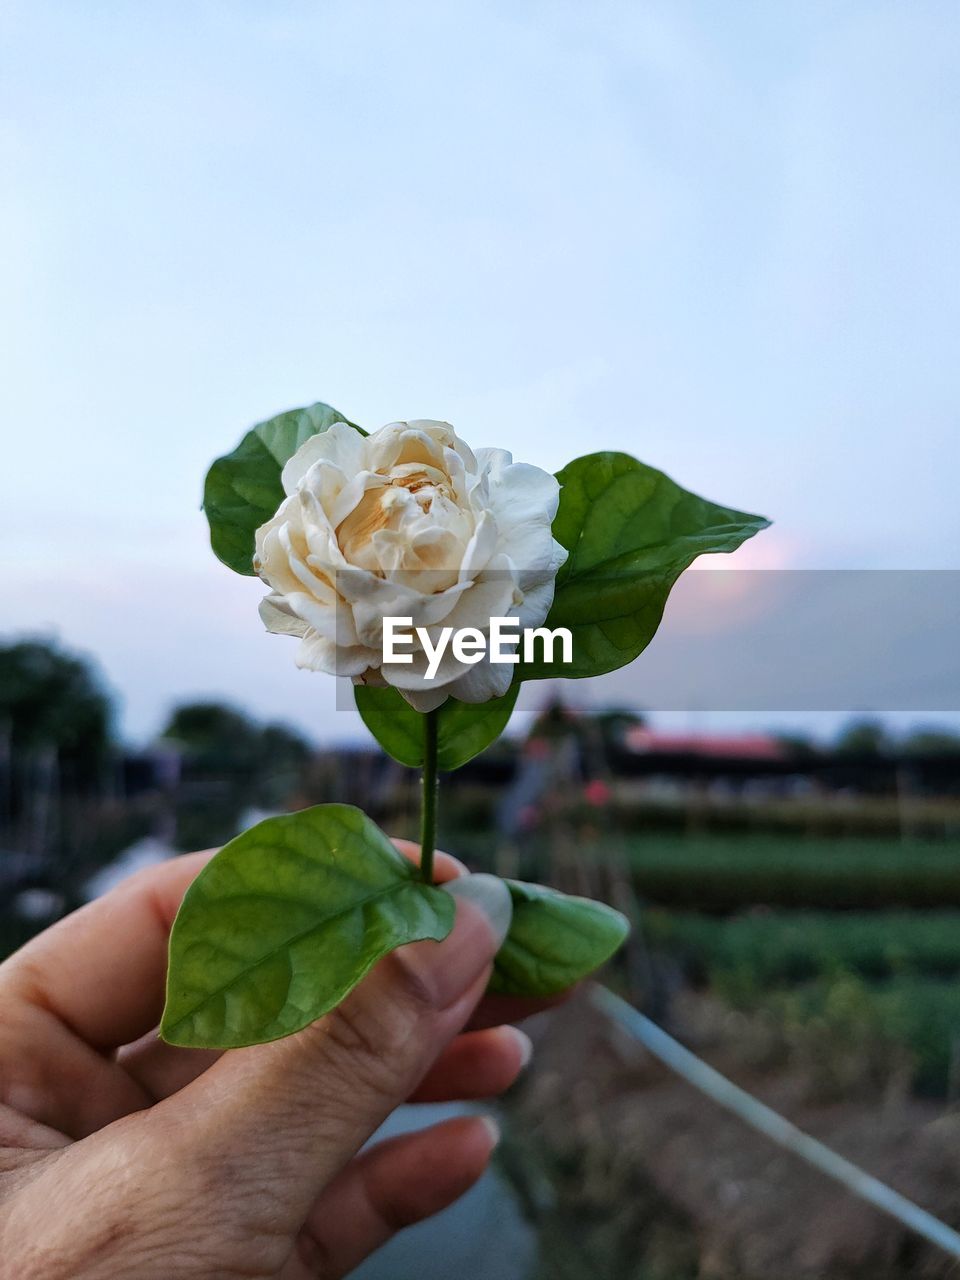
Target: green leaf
{"type": "Point", "coordinates": [554, 941]}
{"type": "Point", "coordinates": [464, 729]}
{"type": "Point", "coordinates": [285, 920]}
{"type": "Point", "coordinates": [243, 490]}
{"type": "Point", "coordinates": [630, 531]}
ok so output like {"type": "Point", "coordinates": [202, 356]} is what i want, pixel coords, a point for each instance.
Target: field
{"type": "Point", "coordinates": [764, 948]}
{"type": "Point", "coordinates": [856, 997]}
{"type": "Point", "coordinates": [727, 872]}
{"type": "Point", "coordinates": [844, 953]}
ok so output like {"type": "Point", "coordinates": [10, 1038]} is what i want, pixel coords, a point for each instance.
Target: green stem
{"type": "Point", "coordinates": [430, 785]}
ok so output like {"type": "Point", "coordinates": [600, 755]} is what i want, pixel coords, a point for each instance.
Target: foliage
{"type": "Point", "coordinates": [615, 722]}
{"type": "Point", "coordinates": [285, 921]}
{"type": "Point", "coordinates": [463, 730]}
{"type": "Point", "coordinates": [757, 950]}
{"type": "Point", "coordinates": [931, 741]}
{"type": "Point", "coordinates": [243, 490]}
{"type": "Point", "coordinates": [554, 941]}
{"type": "Point", "coordinates": [291, 914]}
{"type": "Point", "coordinates": [630, 532]}
{"type": "Point", "coordinates": [51, 699]}
{"type": "Point", "coordinates": [230, 763]}
{"type": "Point", "coordinates": [719, 872]}
{"type": "Point", "coordinates": [909, 1023]}
{"type": "Point", "coordinates": [218, 739]}
{"type": "Point", "coordinates": [854, 996]}
{"type": "Point", "coordinates": [864, 738]}
{"type": "Point", "coordinates": [555, 721]}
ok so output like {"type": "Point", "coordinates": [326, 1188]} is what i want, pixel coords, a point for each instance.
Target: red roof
{"type": "Point", "coordinates": [738, 746]}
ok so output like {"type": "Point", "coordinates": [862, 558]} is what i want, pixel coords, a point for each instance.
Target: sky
{"type": "Point", "coordinates": [719, 237]}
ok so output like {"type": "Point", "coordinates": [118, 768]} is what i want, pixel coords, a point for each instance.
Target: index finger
{"type": "Point", "coordinates": [493, 1010]}
{"type": "Point", "coordinates": [101, 971]}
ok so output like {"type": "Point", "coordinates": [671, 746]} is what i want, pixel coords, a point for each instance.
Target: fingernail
{"type": "Point", "coordinates": [493, 1129]}
{"type": "Point", "coordinates": [456, 865]}
{"type": "Point", "coordinates": [490, 894]}
{"type": "Point", "coordinates": [450, 968]}
{"type": "Point", "coordinates": [524, 1044]}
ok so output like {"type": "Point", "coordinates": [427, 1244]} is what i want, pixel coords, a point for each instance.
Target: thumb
{"type": "Point", "coordinates": [295, 1111]}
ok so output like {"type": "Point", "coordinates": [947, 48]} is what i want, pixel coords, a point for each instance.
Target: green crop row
{"type": "Point", "coordinates": [763, 949]}
{"type": "Point", "coordinates": [722, 873]}
{"type": "Point", "coordinates": [853, 997]}
{"type": "Point", "coordinates": [846, 1027]}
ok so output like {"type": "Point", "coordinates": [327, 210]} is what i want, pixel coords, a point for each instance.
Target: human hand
{"type": "Point", "coordinates": [121, 1156]}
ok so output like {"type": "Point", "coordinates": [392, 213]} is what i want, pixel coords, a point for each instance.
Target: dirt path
{"type": "Point", "coordinates": [618, 1159]}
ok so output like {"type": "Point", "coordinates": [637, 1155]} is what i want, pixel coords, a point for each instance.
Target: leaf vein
{"type": "Point", "coordinates": [286, 944]}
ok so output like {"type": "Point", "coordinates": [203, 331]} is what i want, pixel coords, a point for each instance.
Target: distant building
{"type": "Point", "coordinates": [732, 746]}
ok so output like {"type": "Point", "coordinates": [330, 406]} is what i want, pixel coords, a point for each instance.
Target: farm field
{"type": "Point", "coordinates": [856, 997]}
{"type": "Point", "coordinates": [762, 948]}
{"type": "Point", "coordinates": [842, 952]}
{"type": "Point", "coordinates": [727, 872]}
{"type": "Point", "coordinates": [723, 873]}
{"type": "Point", "coordinates": [820, 972]}
{"type": "Point", "coordinates": [822, 975]}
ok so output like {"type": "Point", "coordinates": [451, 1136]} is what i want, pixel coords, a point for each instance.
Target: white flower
{"type": "Point", "coordinates": [406, 522]}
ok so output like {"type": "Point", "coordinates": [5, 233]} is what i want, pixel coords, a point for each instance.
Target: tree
{"type": "Point", "coordinates": [798, 745]}
{"type": "Point", "coordinates": [864, 738]}
{"type": "Point", "coordinates": [217, 739]}
{"type": "Point", "coordinates": [51, 700]}
{"type": "Point", "coordinates": [214, 738]}
{"type": "Point", "coordinates": [929, 740]}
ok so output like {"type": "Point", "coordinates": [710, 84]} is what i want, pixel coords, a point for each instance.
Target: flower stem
{"type": "Point", "coordinates": [430, 784]}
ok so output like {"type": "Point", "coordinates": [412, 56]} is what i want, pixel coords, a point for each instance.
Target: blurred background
{"type": "Point", "coordinates": [721, 238]}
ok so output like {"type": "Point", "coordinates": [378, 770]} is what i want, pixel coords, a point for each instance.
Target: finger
{"type": "Point", "coordinates": [66, 986]}
{"type": "Point", "coordinates": [478, 1064]}
{"type": "Point", "coordinates": [161, 1069]}
{"type": "Point", "coordinates": [101, 970]}
{"type": "Point", "coordinates": [445, 865]}
{"type": "Point", "coordinates": [290, 1114]}
{"type": "Point", "coordinates": [392, 1186]}
{"type": "Point", "coordinates": [493, 1010]}
{"type": "Point", "coordinates": [90, 983]}
{"type": "Point", "coordinates": [22, 1138]}
{"type": "Point", "coordinates": [53, 1077]}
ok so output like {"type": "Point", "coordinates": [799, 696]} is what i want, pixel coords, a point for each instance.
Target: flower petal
{"type": "Point", "coordinates": [424, 700]}
{"type": "Point", "coordinates": [483, 681]}
{"type": "Point", "coordinates": [533, 611]}
{"type": "Point", "coordinates": [279, 618]}
{"type": "Point", "coordinates": [339, 444]}
{"type": "Point", "coordinates": [318, 653]}
{"type": "Point", "coordinates": [410, 523]}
